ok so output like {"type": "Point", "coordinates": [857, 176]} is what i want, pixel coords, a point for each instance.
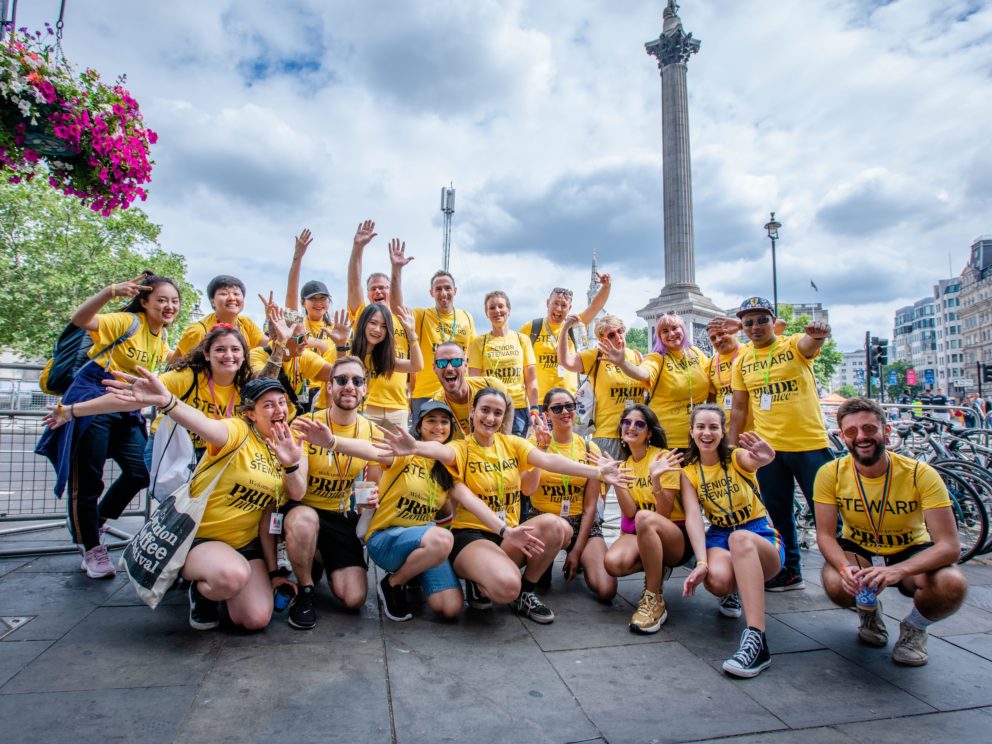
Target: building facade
{"type": "Point", "coordinates": [975, 310]}
{"type": "Point", "coordinates": [950, 342]}
{"type": "Point", "coordinates": [851, 371]}
{"type": "Point", "coordinates": [914, 340]}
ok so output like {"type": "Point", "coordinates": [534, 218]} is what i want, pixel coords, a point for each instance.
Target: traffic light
{"type": "Point", "coordinates": [878, 353]}
{"type": "Point", "coordinates": [987, 373]}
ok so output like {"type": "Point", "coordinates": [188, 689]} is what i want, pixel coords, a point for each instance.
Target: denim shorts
{"type": "Point", "coordinates": [719, 537]}
{"type": "Point", "coordinates": [390, 547]}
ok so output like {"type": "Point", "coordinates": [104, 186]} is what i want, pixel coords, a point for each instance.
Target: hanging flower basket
{"type": "Point", "coordinates": [86, 137]}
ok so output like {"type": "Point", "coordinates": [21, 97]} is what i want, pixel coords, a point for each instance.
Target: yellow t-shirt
{"type": "Point", "coordinates": [302, 371]}
{"type": "Point", "coordinates": [914, 488]}
{"type": "Point", "coordinates": [213, 401]}
{"type": "Point", "coordinates": [641, 489]}
{"type": "Point", "coordinates": [505, 358]}
{"type": "Point", "coordinates": [332, 475]}
{"type": "Point", "coordinates": [196, 331]}
{"type": "Point", "coordinates": [677, 381]}
{"type": "Point", "coordinates": [555, 489]}
{"type": "Point", "coordinates": [251, 483]}
{"type": "Point", "coordinates": [612, 389]}
{"type": "Point", "coordinates": [462, 411]}
{"type": "Point", "coordinates": [319, 330]}
{"type": "Point", "coordinates": [491, 473]}
{"type": "Point", "coordinates": [546, 354]}
{"type": "Point", "coordinates": [723, 507]}
{"type": "Point", "coordinates": [791, 420]}
{"type": "Point", "coordinates": [142, 349]}
{"type": "Point", "coordinates": [389, 392]}
{"type": "Point", "coordinates": [434, 329]}
{"type": "Point", "coordinates": [408, 495]}
{"type": "Point", "coordinates": [720, 369]}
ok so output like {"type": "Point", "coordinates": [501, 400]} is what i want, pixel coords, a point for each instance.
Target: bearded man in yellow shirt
{"type": "Point", "coordinates": [774, 379]}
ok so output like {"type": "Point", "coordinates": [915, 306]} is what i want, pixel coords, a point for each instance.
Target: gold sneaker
{"type": "Point", "coordinates": [651, 614]}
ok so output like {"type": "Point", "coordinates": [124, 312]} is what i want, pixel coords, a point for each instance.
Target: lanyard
{"type": "Point", "coordinates": [565, 479]}
{"type": "Point", "coordinates": [768, 366]}
{"type": "Point", "coordinates": [151, 346]}
{"type": "Point", "coordinates": [875, 528]}
{"type": "Point", "coordinates": [213, 397]}
{"type": "Point", "coordinates": [440, 325]}
{"type": "Point", "coordinates": [334, 455]}
{"type": "Point", "coordinates": [432, 489]}
{"type": "Point", "coordinates": [501, 485]}
{"type": "Point", "coordinates": [687, 371]}
{"type": "Point", "coordinates": [719, 376]}
{"type": "Point", "coordinates": [269, 454]}
{"type": "Point", "coordinates": [717, 504]}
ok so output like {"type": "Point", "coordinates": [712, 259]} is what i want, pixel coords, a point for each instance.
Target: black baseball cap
{"type": "Point", "coordinates": [255, 389]}
{"type": "Point", "coordinates": [314, 288]}
{"type": "Point", "coordinates": [428, 407]}
{"type": "Point", "coordinates": [755, 304]}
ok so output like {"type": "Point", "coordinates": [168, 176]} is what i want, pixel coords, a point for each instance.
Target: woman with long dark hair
{"type": "Point", "coordinates": [653, 537]}
{"type": "Point", "coordinates": [122, 341]}
{"type": "Point", "coordinates": [741, 550]}
{"type": "Point", "coordinates": [374, 342]}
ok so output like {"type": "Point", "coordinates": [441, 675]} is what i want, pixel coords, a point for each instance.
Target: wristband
{"type": "Point", "coordinates": [334, 442]}
{"type": "Point", "coordinates": [167, 408]}
{"type": "Point", "coordinates": [502, 531]}
{"type": "Point", "coordinates": [113, 291]}
{"type": "Point", "coordinates": [534, 409]}
{"type": "Point", "coordinates": [287, 469]}
{"type": "Point", "coordinates": [702, 563]}
{"type": "Point", "coordinates": [346, 347]}
{"type": "Point", "coordinates": [278, 573]}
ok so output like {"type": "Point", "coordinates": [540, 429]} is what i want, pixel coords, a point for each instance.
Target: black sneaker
{"type": "Point", "coordinates": [529, 605]}
{"type": "Point", "coordinates": [475, 598]}
{"type": "Point", "coordinates": [752, 655]}
{"type": "Point", "coordinates": [785, 581]}
{"type": "Point", "coordinates": [730, 605]}
{"type": "Point", "coordinates": [302, 615]}
{"type": "Point", "coordinates": [204, 614]}
{"type": "Point", "coordinates": [393, 601]}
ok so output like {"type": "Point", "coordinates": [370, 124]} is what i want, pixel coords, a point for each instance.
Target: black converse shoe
{"type": "Point", "coordinates": [302, 615]}
{"type": "Point", "coordinates": [475, 598]}
{"type": "Point", "coordinates": [393, 600]}
{"type": "Point", "coordinates": [730, 605]}
{"type": "Point", "coordinates": [529, 605]}
{"type": "Point", "coordinates": [204, 614]}
{"type": "Point", "coordinates": [752, 655]}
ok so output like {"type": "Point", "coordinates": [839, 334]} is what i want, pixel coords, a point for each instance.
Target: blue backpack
{"type": "Point", "coordinates": [71, 352]}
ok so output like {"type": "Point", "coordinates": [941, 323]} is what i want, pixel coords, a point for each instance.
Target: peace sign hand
{"type": "Point", "coordinates": [130, 288]}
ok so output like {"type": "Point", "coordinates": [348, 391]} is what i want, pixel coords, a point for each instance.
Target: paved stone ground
{"type": "Point", "coordinates": [94, 665]}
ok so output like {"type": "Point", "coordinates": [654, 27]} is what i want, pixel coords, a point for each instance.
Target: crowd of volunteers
{"type": "Point", "coordinates": [458, 456]}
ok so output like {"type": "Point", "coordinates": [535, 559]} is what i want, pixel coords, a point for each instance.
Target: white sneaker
{"type": "Point", "coordinates": [96, 563]}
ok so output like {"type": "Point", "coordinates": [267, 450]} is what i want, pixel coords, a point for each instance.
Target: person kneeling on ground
{"type": "Point", "coordinates": [898, 529]}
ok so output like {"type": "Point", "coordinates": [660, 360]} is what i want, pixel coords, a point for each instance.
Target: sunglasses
{"type": "Point", "coordinates": [343, 380]}
{"type": "Point", "coordinates": [870, 430]}
{"type": "Point", "coordinates": [637, 425]}
{"type": "Point", "coordinates": [562, 408]}
{"type": "Point", "coordinates": [616, 333]}
{"type": "Point", "coordinates": [760, 320]}
{"type": "Point", "coordinates": [561, 291]}
{"type": "Point", "coordinates": [443, 363]}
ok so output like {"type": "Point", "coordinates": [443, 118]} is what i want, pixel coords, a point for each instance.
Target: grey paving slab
{"type": "Point", "coordinates": [486, 665]}
{"type": "Point", "coordinates": [978, 574]}
{"type": "Point", "coordinates": [62, 563]}
{"type": "Point", "coordinates": [953, 679]}
{"type": "Point", "coordinates": [658, 692]}
{"type": "Point", "coordinates": [817, 688]}
{"type": "Point", "coordinates": [819, 735]}
{"type": "Point", "coordinates": [977, 643]}
{"type": "Point", "coordinates": [59, 601]}
{"type": "Point", "coordinates": [963, 726]}
{"type": "Point", "coordinates": [980, 596]}
{"type": "Point", "coordinates": [14, 656]}
{"type": "Point", "coordinates": [149, 715]}
{"type": "Point", "coordinates": [968, 619]}
{"type": "Point", "coordinates": [122, 647]}
{"type": "Point", "coordinates": [327, 692]}
{"type": "Point", "coordinates": [127, 597]}
{"type": "Point", "coordinates": [802, 600]}
{"type": "Point", "coordinates": [12, 564]}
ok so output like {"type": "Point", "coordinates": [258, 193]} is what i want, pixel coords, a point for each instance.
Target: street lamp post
{"type": "Point", "coordinates": [772, 227]}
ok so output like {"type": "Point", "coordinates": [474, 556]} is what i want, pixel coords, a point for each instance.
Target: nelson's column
{"type": "Point", "coordinates": [680, 293]}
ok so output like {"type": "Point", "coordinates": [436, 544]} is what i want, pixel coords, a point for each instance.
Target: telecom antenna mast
{"type": "Point", "coordinates": [448, 208]}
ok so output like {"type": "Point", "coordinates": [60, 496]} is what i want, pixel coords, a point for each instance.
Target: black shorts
{"type": "Point", "coordinates": [465, 536]}
{"type": "Point", "coordinates": [595, 531]}
{"type": "Point", "coordinates": [252, 551]}
{"type": "Point", "coordinates": [890, 560]}
{"type": "Point", "coordinates": [687, 552]}
{"type": "Point", "coordinates": [337, 543]}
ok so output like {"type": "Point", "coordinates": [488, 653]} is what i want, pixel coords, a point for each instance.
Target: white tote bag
{"type": "Point", "coordinates": [585, 402]}
{"type": "Point", "coordinates": [155, 555]}
{"type": "Point", "coordinates": [173, 459]}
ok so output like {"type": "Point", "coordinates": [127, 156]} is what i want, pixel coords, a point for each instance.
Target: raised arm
{"type": "Point", "coordinates": [318, 433]}
{"type": "Point", "coordinates": [416, 361]}
{"type": "Point", "coordinates": [400, 443]}
{"type": "Point", "coordinates": [617, 354]}
{"type": "Point", "coordinates": [755, 452]}
{"type": "Point", "coordinates": [610, 473]}
{"type": "Point", "coordinates": [85, 315]}
{"type": "Point", "coordinates": [303, 241]}
{"type": "Point", "coordinates": [738, 416]}
{"type": "Point", "coordinates": [397, 260]}
{"type": "Point", "coordinates": [363, 236]}
{"type": "Point", "coordinates": [598, 300]}
{"type": "Point", "coordinates": [817, 333]}
{"type": "Point", "coordinates": [568, 358]}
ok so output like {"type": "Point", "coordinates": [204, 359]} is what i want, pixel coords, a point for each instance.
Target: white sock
{"type": "Point", "coordinates": [917, 620]}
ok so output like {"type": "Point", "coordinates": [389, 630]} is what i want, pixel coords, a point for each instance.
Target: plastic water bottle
{"type": "Point", "coordinates": [866, 599]}
{"type": "Point", "coordinates": [284, 594]}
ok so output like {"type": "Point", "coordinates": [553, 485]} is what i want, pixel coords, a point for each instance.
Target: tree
{"type": "Point", "coordinates": [900, 367]}
{"type": "Point", "coordinates": [637, 338]}
{"type": "Point", "coordinates": [847, 391]}
{"type": "Point", "coordinates": [829, 358]}
{"type": "Point", "coordinates": [55, 252]}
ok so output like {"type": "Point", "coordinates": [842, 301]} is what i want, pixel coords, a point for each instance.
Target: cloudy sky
{"type": "Point", "coordinates": [863, 123]}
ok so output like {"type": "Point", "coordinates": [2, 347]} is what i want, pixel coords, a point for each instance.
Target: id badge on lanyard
{"type": "Point", "coordinates": [766, 401]}
{"type": "Point", "coordinates": [728, 402]}
{"type": "Point", "coordinates": [275, 523]}
{"type": "Point", "coordinates": [501, 515]}
{"type": "Point", "coordinates": [878, 561]}
{"type": "Point", "coordinates": [566, 508]}
{"type": "Point", "coordinates": [562, 372]}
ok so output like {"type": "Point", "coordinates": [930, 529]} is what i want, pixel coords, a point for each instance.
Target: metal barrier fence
{"type": "Point", "coordinates": [27, 480]}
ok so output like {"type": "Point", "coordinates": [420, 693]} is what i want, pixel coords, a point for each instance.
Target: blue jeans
{"type": "Point", "coordinates": [777, 480]}
{"type": "Point", "coordinates": [111, 435]}
{"type": "Point", "coordinates": [390, 547]}
{"type": "Point", "coordinates": [521, 420]}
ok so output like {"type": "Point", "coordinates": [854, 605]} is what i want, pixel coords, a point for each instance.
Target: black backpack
{"type": "Point", "coordinates": [71, 352]}
{"type": "Point", "coordinates": [535, 330]}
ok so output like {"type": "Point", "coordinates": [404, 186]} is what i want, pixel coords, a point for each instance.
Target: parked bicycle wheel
{"type": "Point", "coordinates": [969, 513]}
